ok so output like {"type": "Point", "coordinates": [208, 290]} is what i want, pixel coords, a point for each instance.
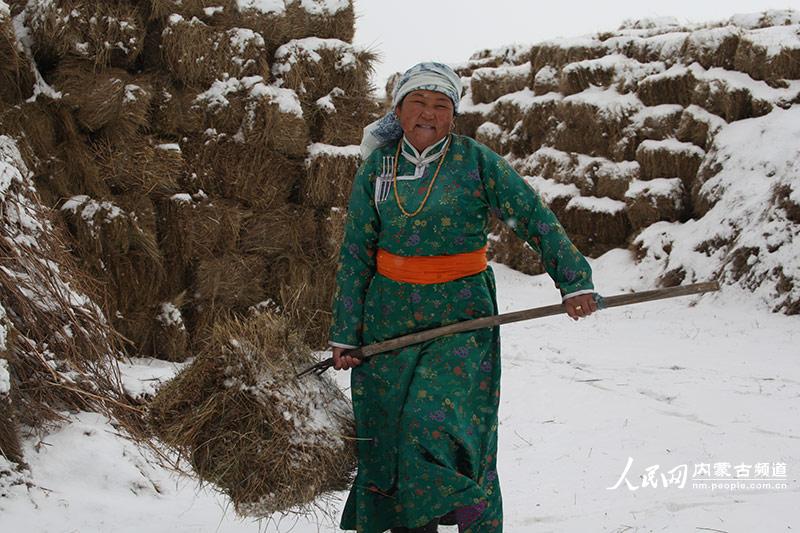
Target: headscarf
{"type": "Point", "coordinates": [428, 76]}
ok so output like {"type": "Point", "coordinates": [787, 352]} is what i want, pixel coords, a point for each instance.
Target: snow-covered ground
{"type": "Point", "coordinates": [691, 381]}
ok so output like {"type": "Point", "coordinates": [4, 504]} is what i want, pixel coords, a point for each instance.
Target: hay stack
{"type": "Point", "coordinates": [547, 79]}
{"type": "Point", "coordinates": [651, 123]}
{"type": "Point", "coordinates": [728, 101]}
{"type": "Point", "coordinates": [234, 281]}
{"type": "Point", "coordinates": [313, 67]}
{"type": "Point", "coordinates": [538, 120]}
{"type": "Point", "coordinates": [673, 86]}
{"type": "Point", "coordinates": [245, 424]}
{"type": "Point", "coordinates": [141, 168]}
{"type": "Point", "coordinates": [555, 195]}
{"type": "Point", "coordinates": [16, 74]}
{"type": "Point", "coordinates": [197, 54]}
{"type": "Point", "coordinates": [658, 199]}
{"type": "Point", "coordinates": [698, 126]}
{"type": "Point", "coordinates": [285, 229]}
{"type": "Point", "coordinates": [758, 55]}
{"type": "Point", "coordinates": [563, 167]}
{"type": "Point", "coordinates": [209, 11]}
{"type": "Point", "coordinates": [668, 159]}
{"type": "Point", "coordinates": [614, 69]}
{"type": "Point", "coordinates": [489, 84]}
{"type": "Point", "coordinates": [712, 47]}
{"type": "Point", "coordinates": [593, 121]}
{"type": "Point", "coordinates": [329, 175]}
{"type": "Point", "coordinates": [596, 225]}
{"type": "Point", "coordinates": [613, 179]}
{"type": "Point", "coordinates": [505, 247]}
{"type": "Point", "coordinates": [339, 119]}
{"type": "Point", "coordinates": [493, 136]}
{"type": "Point", "coordinates": [172, 111]}
{"type": "Point", "coordinates": [101, 33]}
{"type": "Point", "coordinates": [559, 53]}
{"type": "Point", "coordinates": [170, 338]}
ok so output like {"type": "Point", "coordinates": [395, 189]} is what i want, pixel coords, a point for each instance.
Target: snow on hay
{"type": "Point", "coordinates": [245, 425]}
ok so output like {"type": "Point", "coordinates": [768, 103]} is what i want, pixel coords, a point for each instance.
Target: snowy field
{"type": "Point", "coordinates": [692, 381]}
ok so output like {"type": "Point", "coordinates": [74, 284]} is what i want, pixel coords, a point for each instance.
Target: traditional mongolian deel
{"type": "Point", "coordinates": [426, 415]}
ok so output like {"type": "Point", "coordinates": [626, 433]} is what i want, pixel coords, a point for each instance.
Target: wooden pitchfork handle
{"type": "Point", "coordinates": [515, 316]}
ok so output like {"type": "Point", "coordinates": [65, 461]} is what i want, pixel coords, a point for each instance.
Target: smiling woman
{"type": "Point", "coordinates": [426, 415]}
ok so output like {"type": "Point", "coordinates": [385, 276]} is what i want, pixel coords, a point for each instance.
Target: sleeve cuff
{"type": "Point", "coordinates": [576, 293]}
{"type": "Point", "coordinates": [342, 345]}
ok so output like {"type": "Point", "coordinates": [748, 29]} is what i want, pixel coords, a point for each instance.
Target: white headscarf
{"type": "Point", "coordinates": [428, 76]}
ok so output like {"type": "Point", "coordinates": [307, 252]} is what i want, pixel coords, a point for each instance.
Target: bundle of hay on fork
{"type": "Point", "coordinates": [238, 415]}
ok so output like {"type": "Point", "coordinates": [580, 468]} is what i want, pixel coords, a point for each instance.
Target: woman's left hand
{"type": "Point", "coordinates": [580, 306]}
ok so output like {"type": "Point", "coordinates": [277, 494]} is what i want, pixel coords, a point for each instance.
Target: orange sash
{"type": "Point", "coordinates": [427, 269]}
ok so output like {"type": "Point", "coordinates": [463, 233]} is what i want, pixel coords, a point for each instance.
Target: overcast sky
{"type": "Point", "coordinates": [406, 32]}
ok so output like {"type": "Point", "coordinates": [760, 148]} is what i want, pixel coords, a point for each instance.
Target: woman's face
{"type": "Point", "coordinates": [425, 117]}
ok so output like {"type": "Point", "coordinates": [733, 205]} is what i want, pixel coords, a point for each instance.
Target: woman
{"type": "Point", "coordinates": [413, 258]}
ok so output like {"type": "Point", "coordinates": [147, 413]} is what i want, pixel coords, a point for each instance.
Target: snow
{"type": "Point", "coordinates": [322, 7]}
{"type": "Point", "coordinates": [526, 98]}
{"type": "Point", "coordinates": [664, 187]}
{"type": "Point", "coordinates": [326, 102]}
{"type": "Point", "coordinates": [549, 190]}
{"type": "Point", "coordinates": [328, 150]}
{"type": "Point", "coordinates": [267, 7]}
{"type": "Point", "coordinates": [776, 39]}
{"type": "Point", "coordinates": [625, 70]}
{"type": "Point", "coordinates": [759, 89]}
{"type": "Point", "coordinates": [671, 145]}
{"type": "Point", "coordinates": [689, 380]}
{"type": "Point", "coordinates": [5, 377]}
{"type": "Point", "coordinates": [596, 205]}
{"type": "Point", "coordinates": [770, 17]}
{"type": "Point", "coordinates": [609, 102]}
{"type": "Point", "coordinates": [141, 377]}
{"type": "Point", "coordinates": [216, 96]}
{"type": "Point", "coordinates": [489, 129]}
{"type": "Point", "coordinates": [241, 38]}
{"type": "Point", "coordinates": [506, 71]}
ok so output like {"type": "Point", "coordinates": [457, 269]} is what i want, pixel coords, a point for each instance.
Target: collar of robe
{"type": "Point", "coordinates": [422, 160]}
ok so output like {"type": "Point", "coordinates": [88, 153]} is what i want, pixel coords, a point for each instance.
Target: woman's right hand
{"type": "Point", "coordinates": [342, 361]}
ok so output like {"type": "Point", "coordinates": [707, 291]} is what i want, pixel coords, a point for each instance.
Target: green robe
{"type": "Point", "coordinates": [426, 415]}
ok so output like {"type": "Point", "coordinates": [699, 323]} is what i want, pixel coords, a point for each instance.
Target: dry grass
{"type": "Point", "coordinates": [96, 98]}
{"type": "Point", "coordinates": [595, 231]}
{"type": "Point", "coordinates": [698, 127]}
{"type": "Point", "coordinates": [233, 281]}
{"type": "Point", "coordinates": [612, 181]}
{"type": "Point", "coordinates": [730, 103]}
{"type": "Point", "coordinates": [329, 177]}
{"type": "Point", "coordinates": [493, 136]}
{"type": "Point", "coordinates": [489, 84]}
{"type": "Point", "coordinates": [505, 247]}
{"type": "Point", "coordinates": [538, 121]}
{"type": "Point", "coordinates": [545, 80]}
{"type": "Point", "coordinates": [206, 10]}
{"type": "Point", "coordinates": [140, 168]}
{"type": "Point", "coordinates": [16, 74]}
{"type": "Point", "coordinates": [589, 129]}
{"type": "Point", "coordinates": [331, 223]}
{"type": "Point", "coordinates": [662, 161]}
{"type": "Point", "coordinates": [98, 32]}
{"type": "Point", "coordinates": [314, 68]}
{"type": "Point", "coordinates": [259, 178]}
{"type": "Point", "coordinates": [755, 60]}
{"type": "Point", "coordinates": [674, 89]}
{"type": "Point", "coordinates": [196, 54]}
{"type": "Point", "coordinates": [288, 229]}
{"type": "Point", "coordinates": [556, 55]}
{"type": "Point", "coordinates": [648, 205]}
{"type": "Point", "coordinates": [171, 112]}
{"type": "Point", "coordinates": [714, 47]}
{"type": "Point", "coordinates": [467, 123]}
{"type": "Point", "coordinates": [246, 425]}
{"type": "Point", "coordinates": [339, 119]}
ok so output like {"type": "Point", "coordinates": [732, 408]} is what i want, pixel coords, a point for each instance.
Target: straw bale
{"type": "Point", "coordinates": [326, 20]}
{"type": "Point", "coordinates": [546, 80]}
{"type": "Point", "coordinates": [73, 171]}
{"type": "Point", "coordinates": [674, 86]}
{"type": "Point", "coordinates": [506, 248]}
{"type": "Point", "coordinates": [258, 114]}
{"type": "Point", "coordinates": [555, 195]}
{"type": "Point", "coordinates": [257, 177]}
{"type": "Point", "coordinates": [593, 122]}
{"type": "Point", "coordinates": [561, 167]}
{"type": "Point", "coordinates": [238, 415]}
{"type": "Point", "coordinates": [313, 67]}
{"type": "Point", "coordinates": [669, 159]}
{"type": "Point", "coordinates": [494, 137]}
{"type": "Point", "coordinates": [209, 11]}
{"type": "Point", "coordinates": [171, 112]}
{"type": "Point", "coordinates": [331, 224]}
{"type": "Point", "coordinates": [35, 126]}
{"type": "Point", "coordinates": [304, 287]}
{"type": "Point", "coordinates": [113, 247]}
{"type": "Point", "coordinates": [489, 84]}
{"type": "Point", "coordinates": [539, 119]}
{"type": "Point", "coordinates": [557, 54]}
{"type": "Point", "coordinates": [655, 200]}
{"type": "Point", "coordinates": [698, 126]}
{"type": "Point", "coordinates": [101, 33]}
{"type": "Point", "coordinates": [757, 56]}
{"type": "Point", "coordinates": [612, 179]}
{"type": "Point", "coordinates": [16, 73]}
{"type": "Point", "coordinates": [196, 54]}
{"type": "Point", "coordinates": [467, 122]}
{"type": "Point", "coordinates": [198, 227]}
{"type": "Point", "coordinates": [712, 47]}
{"type": "Point", "coordinates": [140, 167]}
{"type": "Point", "coordinates": [329, 175]}
{"type": "Point", "coordinates": [729, 102]}
{"type": "Point", "coordinates": [233, 281]}
{"type": "Point", "coordinates": [596, 225]}
{"type": "Point", "coordinates": [615, 69]}
{"type": "Point", "coordinates": [170, 338]}
{"type": "Point", "coordinates": [339, 119]}
{"type": "Point", "coordinates": [651, 123]}
{"type": "Point", "coordinates": [288, 229]}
